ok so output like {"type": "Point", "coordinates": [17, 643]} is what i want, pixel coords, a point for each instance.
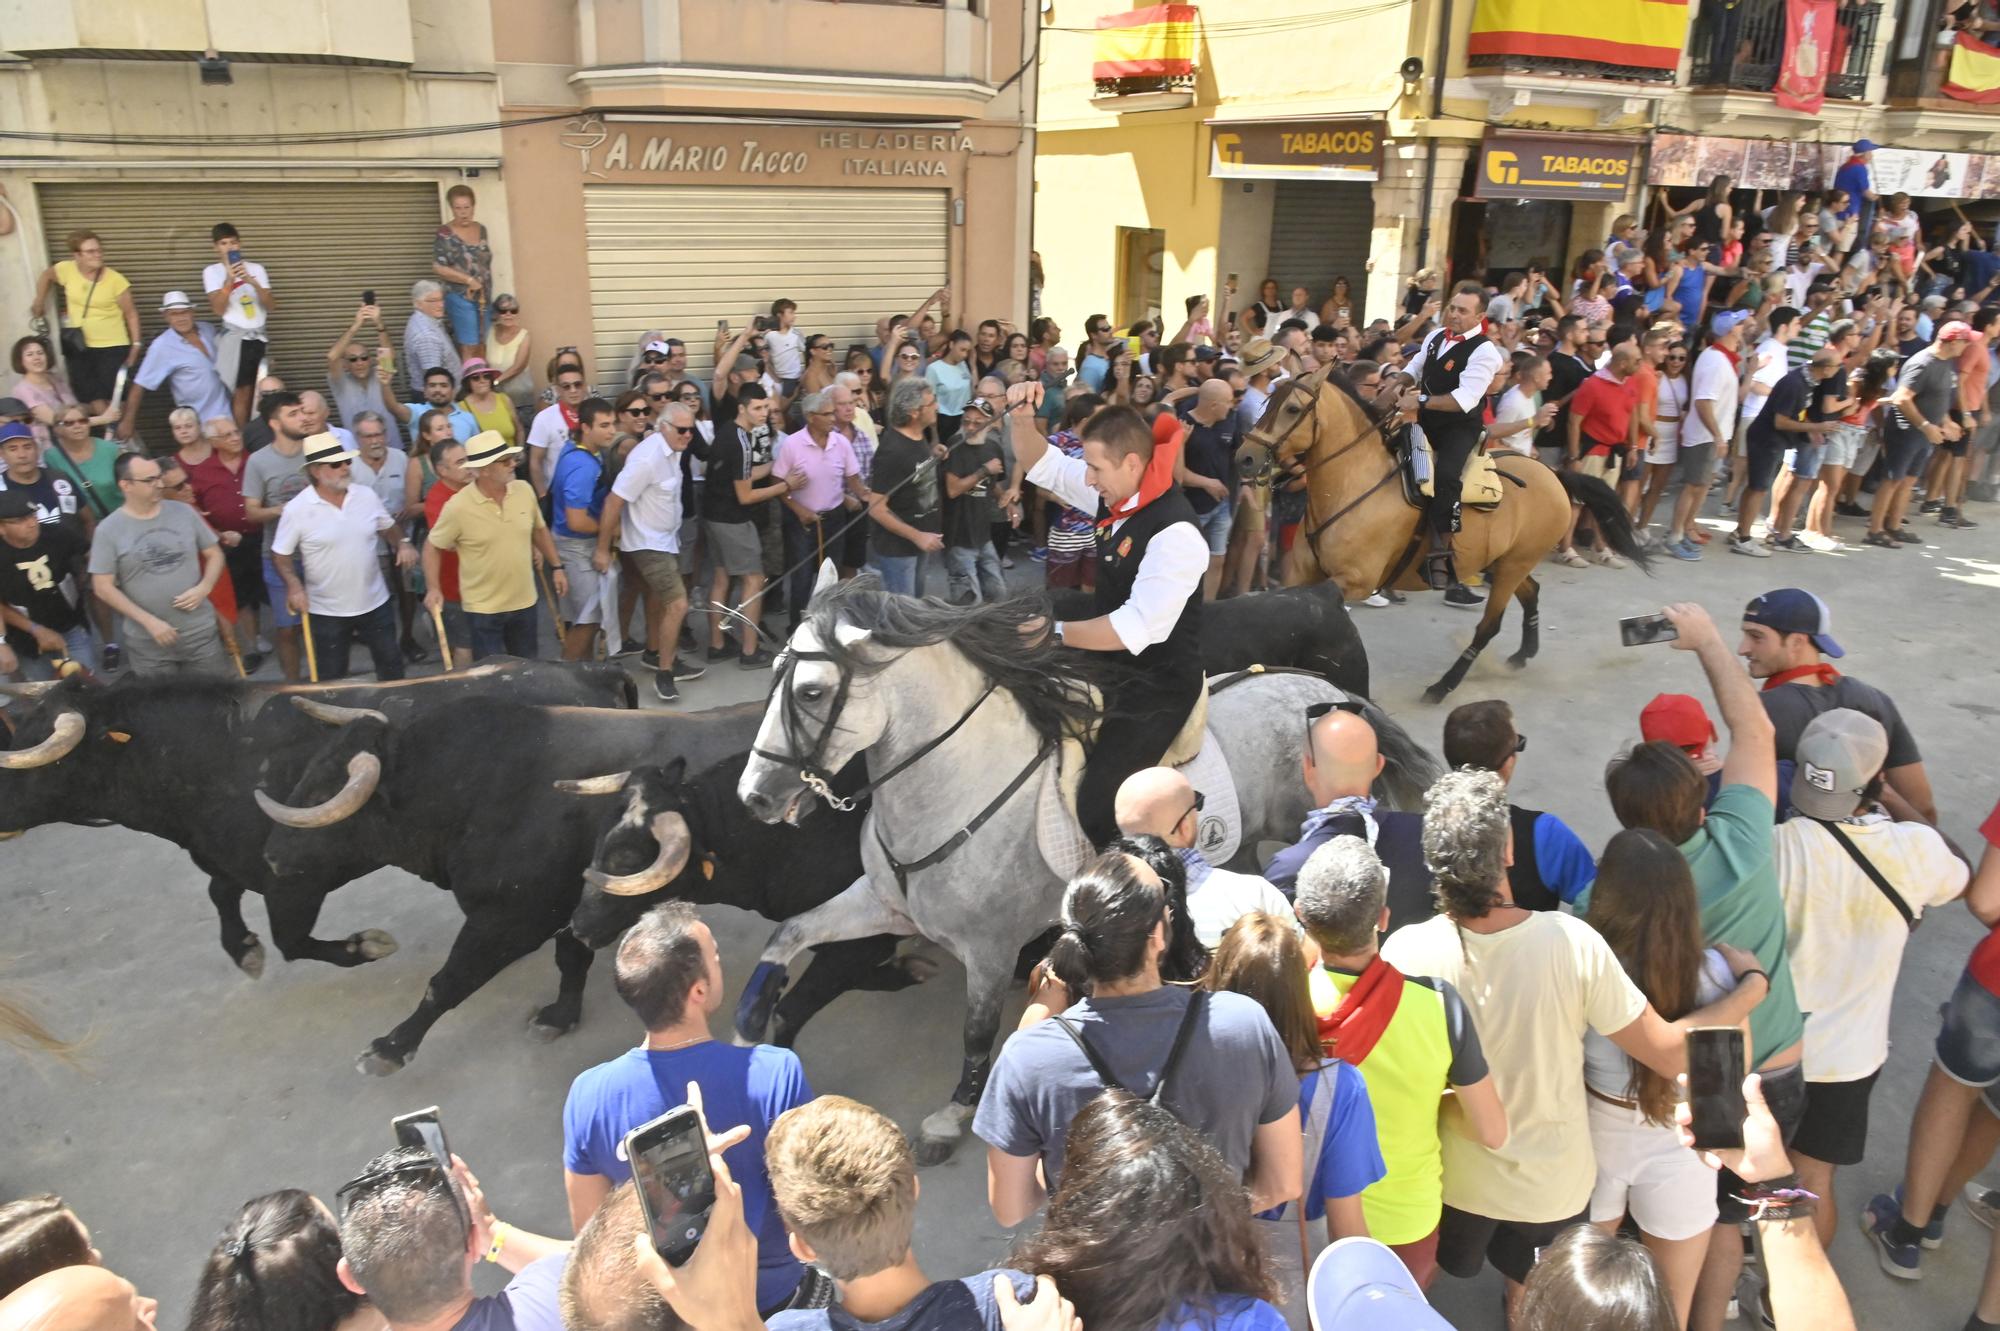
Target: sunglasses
{"type": "Point", "coordinates": [1200, 803]}
{"type": "Point", "coordinates": [677, 429]}
{"type": "Point", "coordinates": [636, 410]}
{"type": "Point", "coordinates": [359, 360]}
{"type": "Point", "coordinates": [652, 358]}
{"type": "Point", "coordinates": [73, 420]}
{"type": "Point", "coordinates": [506, 309]}
{"type": "Point", "coordinates": [374, 1178]}
{"type": "Point", "coordinates": [1520, 743]}
{"type": "Point", "coordinates": [660, 397]}
{"type": "Point", "coordinates": [1316, 710]}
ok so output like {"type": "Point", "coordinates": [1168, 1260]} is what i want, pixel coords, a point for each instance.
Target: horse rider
{"type": "Point", "coordinates": [1453, 370]}
{"type": "Point", "coordinates": [1150, 561]}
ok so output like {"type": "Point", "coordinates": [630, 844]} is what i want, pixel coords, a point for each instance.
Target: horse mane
{"type": "Point", "coordinates": [1332, 377]}
{"type": "Point", "coordinates": [1052, 686]}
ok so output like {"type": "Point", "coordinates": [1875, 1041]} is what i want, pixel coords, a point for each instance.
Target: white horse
{"type": "Point", "coordinates": [959, 712]}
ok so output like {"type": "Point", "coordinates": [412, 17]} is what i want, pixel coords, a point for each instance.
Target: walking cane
{"type": "Point", "coordinates": [444, 643]}
{"type": "Point", "coordinates": [555, 608]}
{"type": "Point", "coordinates": [235, 652]}
{"type": "Point", "coordinates": [312, 657]}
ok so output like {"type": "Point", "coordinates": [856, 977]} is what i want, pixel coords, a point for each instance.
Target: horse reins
{"type": "Point", "coordinates": [1373, 426]}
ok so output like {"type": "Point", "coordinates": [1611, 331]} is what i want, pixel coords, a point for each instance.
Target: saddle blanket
{"type": "Point", "coordinates": [1480, 483]}
{"type": "Point", "coordinates": [1066, 849]}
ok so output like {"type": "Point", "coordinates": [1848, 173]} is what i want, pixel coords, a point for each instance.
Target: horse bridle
{"type": "Point", "coordinates": [1312, 385]}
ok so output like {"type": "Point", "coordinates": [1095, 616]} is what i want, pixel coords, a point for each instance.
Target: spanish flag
{"type": "Point", "coordinates": [1974, 75]}
{"type": "Point", "coordinates": [1153, 42]}
{"type": "Point", "coordinates": [1644, 34]}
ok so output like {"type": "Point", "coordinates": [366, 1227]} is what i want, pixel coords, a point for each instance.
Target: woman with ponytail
{"type": "Point", "coordinates": [276, 1269]}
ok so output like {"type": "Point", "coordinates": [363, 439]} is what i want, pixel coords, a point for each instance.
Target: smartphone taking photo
{"type": "Point", "coordinates": [1639, 630]}
{"type": "Point", "coordinates": [676, 1188]}
{"type": "Point", "coordinates": [424, 1129]}
{"type": "Point", "coordinates": [1715, 1087]}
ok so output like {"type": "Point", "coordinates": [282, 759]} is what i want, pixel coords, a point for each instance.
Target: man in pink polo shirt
{"type": "Point", "coordinates": [825, 514]}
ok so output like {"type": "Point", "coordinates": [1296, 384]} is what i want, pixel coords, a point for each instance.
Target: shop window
{"type": "Point", "coordinates": [1142, 259]}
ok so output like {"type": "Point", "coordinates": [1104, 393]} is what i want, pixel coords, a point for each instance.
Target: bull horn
{"type": "Point", "coordinates": [670, 831]}
{"type": "Point", "coordinates": [334, 714]}
{"type": "Point", "coordinates": [68, 733]}
{"type": "Point", "coordinates": [595, 785]}
{"type": "Point", "coordinates": [364, 770]}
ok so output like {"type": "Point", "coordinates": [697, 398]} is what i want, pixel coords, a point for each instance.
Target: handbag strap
{"type": "Point", "coordinates": [55, 457]}
{"type": "Point", "coordinates": [1874, 874]}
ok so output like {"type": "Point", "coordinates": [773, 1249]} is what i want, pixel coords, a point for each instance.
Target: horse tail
{"type": "Point", "coordinates": [1408, 768]}
{"type": "Point", "coordinates": [1614, 524]}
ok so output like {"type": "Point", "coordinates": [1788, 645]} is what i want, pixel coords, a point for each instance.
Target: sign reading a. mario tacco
{"type": "Point", "coordinates": [1554, 166]}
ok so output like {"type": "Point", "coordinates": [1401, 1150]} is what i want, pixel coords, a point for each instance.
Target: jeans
{"type": "Point", "coordinates": [510, 633]}
{"type": "Point", "coordinates": [842, 538]}
{"type": "Point", "coordinates": [77, 646]}
{"type": "Point", "coordinates": [375, 630]}
{"type": "Point", "coordinates": [898, 572]}
{"type": "Point", "coordinates": [973, 575]}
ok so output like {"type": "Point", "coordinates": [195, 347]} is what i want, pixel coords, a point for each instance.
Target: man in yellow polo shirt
{"type": "Point", "coordinates": [1410, 1035]}
{"type": "Point", "coordinates": [493, 524]}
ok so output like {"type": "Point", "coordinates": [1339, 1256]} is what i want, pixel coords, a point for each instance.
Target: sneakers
{"type": "Point", "coordinates": [1951, 517]}
{"type": "Point", "coordinates": [1847, 510]}
{"type": "Point", "coordinates": [1904, 1262]}
{"type": "Point", "coordinates": [757, 660]}
{"type": "Point", "coordinates": [1379, 601]}
{"type": "Point", "coordinates": [1569, 557]}
{"type": "Point", "coordinates": [686, 669]}
{"type": "Point", "coordinates": [1684, 549]}
{"type": "Point", "coordinates": [1906, 536]}
{"type": "Point", "coordinates": [1744, 545]}
{"type": "Point", "coordinates": [649, 658]}
{"type": "Point", "coordinates": [114, 656]}
{"type": "Point", "coordinates": [664, 687]}
{"type": "Point", "coordinates": [1933, 1237]}
{"type": "Point", "coordinates": [1790, 543]}
{"type": "Point", "coordinates": [727, 652]}
{"type": "Point", "coordinates": [1982, 1204]}
{"type": "Point", "coordinates": [1040, 554]}
{"type": "Point", "coordinates": [413, 651]}
{"type": "Point", "coordinates": [628, 647]}
{"type": "Point", "coordinates": [1607, 558]}
{"type": "Point", "coordinates": [1931, 506]}
{"type": "Point", "coordinates": [1460, 597]}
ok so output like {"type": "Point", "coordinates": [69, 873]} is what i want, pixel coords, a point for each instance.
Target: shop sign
{"type": "Point", "coordinates": [1554, 166]}
{"type": "Point", "coordinates": [1296, 149]}
{"type": "Point", "coordinates": [731, 153]}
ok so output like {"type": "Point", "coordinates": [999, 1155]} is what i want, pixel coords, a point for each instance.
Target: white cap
{"type": "Point", "coordinates": [176, 300]}
{"type": "Point", "coordinates": [658, 346]}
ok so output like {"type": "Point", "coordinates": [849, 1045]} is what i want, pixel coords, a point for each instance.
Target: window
{"type": "Point", "coordinates": [1142, 258]}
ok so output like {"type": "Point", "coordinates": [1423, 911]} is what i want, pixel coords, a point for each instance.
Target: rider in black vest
{"type": "Point", "coordinates": [1454, 369]}
{"type": "Point", "coordinates": [1150, 561]}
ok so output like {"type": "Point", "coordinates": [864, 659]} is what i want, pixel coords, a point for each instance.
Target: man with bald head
{"type": "Point", "coordinates": [1341, 763]}
{"type": "Point", "coordinates": [78, 1298]}
{"type": "Point", "coordinates": [1207, 458]}
{"type": "Point", "coordinates": [1161, 802]}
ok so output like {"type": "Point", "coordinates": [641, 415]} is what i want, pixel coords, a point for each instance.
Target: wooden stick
{"type": "Point", "coordinates": [555, 607]}
{"type": "Point", "coordinates": [235, 652]}
{"type": "Point", "coordinates": [312, 656]}
{"type": "Point", "coordinates": [444, 643]}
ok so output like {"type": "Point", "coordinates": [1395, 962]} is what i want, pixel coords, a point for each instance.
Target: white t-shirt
{"type": "Point", "coordinates": [1225, 897]}
{"type": "Point", "coordinates": [787, 352]}
{"type": "Point", "coordinates": [1517, 405]}
{"type": "Point", "coordinates": [1714, 381]}
{"type": "Point", "coordinates": [650, 485]}
{"type": "Point", "coordinates": [338, 549]}
{"type": "Point", "coordinates": [1845, 940]}
{"type": "Point", "coordinates": [1768, 365]}
{"type": "Point", "coordinates": [244, 309]}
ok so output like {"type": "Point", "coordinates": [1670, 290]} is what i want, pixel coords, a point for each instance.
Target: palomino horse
{"type": "Point", "coordinates": [1358, 526]}
{"type": "Point", "coordinates": [960, 712]}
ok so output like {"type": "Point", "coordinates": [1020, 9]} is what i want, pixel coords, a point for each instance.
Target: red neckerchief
{"type": "Point", "coordinates": [568, 415]}
{"type": "Point", "coordinates": [1825, 673]}
{"type": "Point", "coordinates": [1156, 481]}
{"type": "Point", "coordinates": [1349, 1033]}
{"type": "Point", "coordinates": [1735, 361]}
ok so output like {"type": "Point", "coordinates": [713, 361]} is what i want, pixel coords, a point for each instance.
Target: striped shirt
{"type": "Point", "coordinates": [1810, 337]}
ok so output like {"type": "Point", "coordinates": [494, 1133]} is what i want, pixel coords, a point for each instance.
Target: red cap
{"type": "Point", "coordinates": [1678, 719]}
{"type": "Point", "coordinates": [1956, 331]}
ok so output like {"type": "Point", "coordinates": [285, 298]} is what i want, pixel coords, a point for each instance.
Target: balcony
{"type": "Point", "coordinates": [1143, 59]}
{"type": "Point", "coordinates": [1740, 49]}
{"type": "Point", "coordinates": [1564, 66]}
{"type": "Point", "coordinates": [366, 32]}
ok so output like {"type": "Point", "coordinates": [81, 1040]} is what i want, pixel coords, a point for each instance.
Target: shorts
{"type": "Point", "coordinates": [1785, 1093]}
{"type": "Point", "coordinates": [583, 603]}
{"type": "Point", "coordinates": [1955, 447]}
{"type": "Point", "coordinates": [1666, 445]}
{"type": "Point", "coordinates": [1903, 454]}
{"type": "Point", "coordinates": [239, 357]}
{"type": "Point", "coordinates": [1604, 466]}
{"type": "Point", "coordinates": [1214, 526]}
{"type": "Point", "coordinates": [1835, 1126]}
{"type": "Point", "coordinates": [1765, 459]}
{"type": "Point", "coordinates": [1805, 462]}
{"type": "Point", "coordinates": [1466, 1241]}
{"type": "Point", "coordinates": [274, 590]}
{"type": "Point", "coordinates": [462, 316]}
{"type": "Point", "coordinates": [93, 372]}
{"type": "Point", "coordinates": [1642, 1168]}
{"type": "Point", "coordinates": [1740, 445]}
{"type": "Point", "coordinates": [771, 540]}
{"type": "Point", "coordinates": [660, 570]}
{"type": "Point", "coordinates": [734, 548]}
{"type": "Point", "coordinates": [1695, 463]}
{"type": "Point", "coordinates": [1864, 460]}
{"type": "Point", "coordinates": [1968, 1043]}
{"type": "Point", "coordinates": [245, 562]}
{"type": "Point", "coordinates": [1843, 445]}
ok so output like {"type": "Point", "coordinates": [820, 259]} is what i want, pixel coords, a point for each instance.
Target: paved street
{"type": "Point", "coordinates": [201, 1088]}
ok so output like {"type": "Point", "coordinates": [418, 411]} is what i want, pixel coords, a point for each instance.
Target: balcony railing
{"type": "Point", "coordinates": [1149, 49]}
{"type": "Point", "coordinates": [1741, 47]}
{"type": "Point", "coordinates": [1587, 69]}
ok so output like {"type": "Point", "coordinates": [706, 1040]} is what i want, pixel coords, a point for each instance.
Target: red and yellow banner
{"type": "Point", "coordinates": [1154, 42]}
{"type": "Point", "coordinates": [1974, 75]}
{"type": "Point", "coordinates": [1811, 35]}
{"type": "Point", "coordinates": [1641, 34]}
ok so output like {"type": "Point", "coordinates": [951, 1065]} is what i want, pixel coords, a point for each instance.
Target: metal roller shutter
{"type": "Point", "coordinates": [680, 257]}
{"type": "Point", "coordinates": [324, 242]}
{"type": "Point", "coordinates": [1320, 230]}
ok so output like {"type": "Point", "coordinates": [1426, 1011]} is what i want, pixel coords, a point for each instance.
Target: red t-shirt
{"type": "Point", "coordinates": [1984, 965]}
{"type": "Point", "coordinates": [434, 503]}
{"type": "Point", "coordinates": [218, 492]}
{"type": "Point", "coordinates": [1605, 407]}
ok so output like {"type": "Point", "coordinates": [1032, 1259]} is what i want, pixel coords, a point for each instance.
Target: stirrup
{"type": "Point", "coordinates": [1438, 571]}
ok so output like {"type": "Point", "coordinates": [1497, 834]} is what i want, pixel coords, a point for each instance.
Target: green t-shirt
{"type": "Point", "coordinates": [1736, 881]}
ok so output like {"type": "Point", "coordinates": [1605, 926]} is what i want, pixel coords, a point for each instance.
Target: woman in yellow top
{"type": "Point", "coordinates": [491, 409]}
{"type": "Point", "coordinates": [100, 323]}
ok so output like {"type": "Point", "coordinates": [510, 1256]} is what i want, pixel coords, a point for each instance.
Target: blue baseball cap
{"type": "Point", "coordinates": [1727, 320]}
{"type": "Point", "coordinates": [15, 430]}
{"type": "Point", "coordinates": [1359, 1285]}
{"type": "Point", "coordinates": [1866, 145]}
{"type": "Point", "coordinates": [1793, 610]}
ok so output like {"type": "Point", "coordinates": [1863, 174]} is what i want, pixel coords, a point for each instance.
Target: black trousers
{"type": "Point", "coordinates": [1453, 437]}
{"type": "Point", "coordinates": [1140, 721]}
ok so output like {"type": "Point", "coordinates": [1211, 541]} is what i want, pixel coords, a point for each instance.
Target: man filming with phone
{"type": "Point", "coordinates": [239, 293]}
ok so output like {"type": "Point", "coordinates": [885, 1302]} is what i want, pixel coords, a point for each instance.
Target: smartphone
{"type": "Point", "coordinates": [1715, 1086]}
{"type": "Point", "coordinates": [1639, 630]}
{"type": "Point", "coordinates": [367, 298]}
{"type": "Point", "coordinates": [423, 1129]}
{"type": "Point", "coordinates": [233, 256]}
{"type": "Point", "coordinates": [676, 1187]}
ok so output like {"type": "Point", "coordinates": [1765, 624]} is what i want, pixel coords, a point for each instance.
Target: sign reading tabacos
{"type": "Point", "coordinates": [1554, 166]}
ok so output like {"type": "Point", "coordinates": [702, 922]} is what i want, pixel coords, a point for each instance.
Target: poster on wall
{"type": "Point", "coordinates": [1690, 161]}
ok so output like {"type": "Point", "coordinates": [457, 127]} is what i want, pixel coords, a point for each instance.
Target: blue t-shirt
{"type": "Point", "coordinates": [952, 384]}
{"type": "Point", "coordinates": [579, 483]}
{"type": "Point", "coordinates": [948, 1305]}
{"type": "Point", "coordinates": [1091, 371]}
{"type": "Point", "coordinates": [529, 1303]}
{"type": "Point", "coordinates": [1853, 179]}
{"type": "Point", "coordinates": [463, 423]}
{"type": "Point", "coordinates": [1349, 1157]}
{"type": "Point", "coordinates": [1227, 1312]}
{"type": "Point", "coordinates": [1564, 861]}
{"type": "Point", "coordinates": [738, 1085]}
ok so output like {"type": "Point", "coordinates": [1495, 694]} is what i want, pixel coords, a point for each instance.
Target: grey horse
{"type": "Point", "coordinates": [959, 711]}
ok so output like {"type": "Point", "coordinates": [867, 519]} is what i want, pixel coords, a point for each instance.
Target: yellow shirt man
{"type": "Point", "coordinates": [493, 541]}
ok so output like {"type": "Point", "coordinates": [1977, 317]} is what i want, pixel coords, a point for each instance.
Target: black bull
{"type": "Point", "coordinates": [183, 760]}
{"type": "Point", "coordinates": [505, 805]}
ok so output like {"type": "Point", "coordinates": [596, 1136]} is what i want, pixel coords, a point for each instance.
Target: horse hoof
{"type": "Point", "coordinates": [251, 960]}
{"type": "Point", "coordinates": [760, 999]}
{"type": "Point", "coordinates": [551, 1023]}
{"type": "Point", "coordinates": [1434, 694]}
{"type": "Point", "coordinates": [371, 944]}
{"type": "Point", "coordinates": [934, 1150]}
{"type": "Point", "coordinates": [1518, 661]}
{"type": "Point", "coordinates": [378, 1062]}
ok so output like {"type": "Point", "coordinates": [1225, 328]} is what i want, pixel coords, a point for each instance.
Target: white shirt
{"type": "Point", "coordinates": [1249, 411]}
{"type": "Point", "coordinates": [1169, 571]}
{"type": "Point", "coordinates": [1480, 367]}
{"type": "Point", "coordinates": [1845, 940]}
{"type": "Point", "coordinates": [336, 549]}
{"type": "Point", "coordinates": [244, 309]}
{"type": "Point", "coordinates": [387, 483]}
{"type": "Point", "coordinates": [650, 485]}
{"type": "Point", "coordinates": [1714, 381]}
{"type": "Point", "coordinates": [1517, 405]}
{"type": "Point", "coordinates": [550, 432]}
{"type": "Point", "coordinates": [1225, 897]}
{"type": "Point", "coordinates": [1768, 365]}
{"type": "Point", "coordinates": [787, 352]}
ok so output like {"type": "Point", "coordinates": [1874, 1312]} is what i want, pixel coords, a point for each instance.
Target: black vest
{"type": "Point", "coordinates": [1442, 371]}
{"type": "Point", "coordinates": [1175, 662]}
{"type": "Point", "coordinates": [1524, 875]}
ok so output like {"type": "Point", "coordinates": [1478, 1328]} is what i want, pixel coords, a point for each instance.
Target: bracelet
{"type": "Point", "coordinates": [1778, 1199]}
{"type": "Point", "coordinates": [501, 1229]}
{"type": "Point", "coordinates": [1754, 971]}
